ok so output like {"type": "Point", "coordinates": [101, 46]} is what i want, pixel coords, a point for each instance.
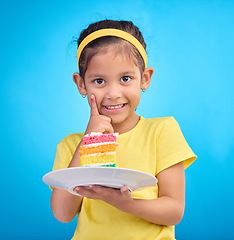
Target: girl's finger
{"type": "Point", "coordinates": [109, 129]}
{"type": "Point", "coordinates": [85, 192]}
{"type": "Point", "coordinates": [93, 105]}
{"type": "Point", "coordinates": [106, 126]}
{"type": "Point", "coordinates": [124, 190]}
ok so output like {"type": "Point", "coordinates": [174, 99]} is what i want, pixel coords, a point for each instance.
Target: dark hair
{"type": "Point", "coordinates": [93, 47]}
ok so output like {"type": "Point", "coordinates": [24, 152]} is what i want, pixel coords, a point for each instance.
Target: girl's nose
{"type": "Point", "coordinates": [113, 92]}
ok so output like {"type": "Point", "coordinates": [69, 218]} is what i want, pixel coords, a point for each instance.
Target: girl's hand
{"type": "Point", "coordinates": [119, 198]}
{"type": "Point", "coordinates": [97, 122]}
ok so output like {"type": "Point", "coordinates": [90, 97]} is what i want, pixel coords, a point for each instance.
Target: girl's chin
{"type": "Point", "coordinates": [123, 119]}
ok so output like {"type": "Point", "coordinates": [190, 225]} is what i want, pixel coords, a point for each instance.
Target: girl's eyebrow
{"type": "Point", "coordinates": [96, 75]}
{"type": "Point", "coordinates": [128, 73]}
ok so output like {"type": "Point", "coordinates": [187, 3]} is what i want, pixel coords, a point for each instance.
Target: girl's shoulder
{"type": "Point", "coordinates": [72, 139]}
{"type": "Point", "coordinates": [160, 126]}
{"type": "Point", "coordinates": [148, 127]}
{"type": "Point", "coordinates": [159, 121]}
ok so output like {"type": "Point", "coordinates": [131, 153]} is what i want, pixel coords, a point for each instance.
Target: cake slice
{"type": "Point", "coordinates": [98, 150]}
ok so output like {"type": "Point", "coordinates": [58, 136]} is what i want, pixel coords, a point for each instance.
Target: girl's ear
{"type": "Point", "coordinates": [78, 80]}
{"type": "Point", "coordinates": [146, 78]}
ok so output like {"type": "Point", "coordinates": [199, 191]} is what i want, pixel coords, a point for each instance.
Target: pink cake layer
{"type": "Point", "coordinates": [99, 138]}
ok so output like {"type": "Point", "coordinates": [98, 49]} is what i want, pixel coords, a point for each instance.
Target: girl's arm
{"type": "Point", "coordinates": [167, 209]}
{"type": "Point", "coordinates": [64, 204]}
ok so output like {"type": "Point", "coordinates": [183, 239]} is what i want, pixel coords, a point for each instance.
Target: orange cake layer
{"type": "Point", "coordinates": [97, 149]}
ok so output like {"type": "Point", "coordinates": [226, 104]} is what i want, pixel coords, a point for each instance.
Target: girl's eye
{"type": "Point", "coordinates": [99, 81]}
{"type": "Point", "coordinates": [125, 79]}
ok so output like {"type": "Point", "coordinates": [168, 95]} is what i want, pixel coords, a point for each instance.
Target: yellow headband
{"type": "Point", "coordinates": [112, 32]}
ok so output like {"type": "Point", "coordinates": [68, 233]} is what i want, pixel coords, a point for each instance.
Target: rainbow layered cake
{"type": "Point", "coordinates": [98, 150]}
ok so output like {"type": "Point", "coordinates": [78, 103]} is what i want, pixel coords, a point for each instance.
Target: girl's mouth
{"type": "Point", "coordinates": [115, 107]}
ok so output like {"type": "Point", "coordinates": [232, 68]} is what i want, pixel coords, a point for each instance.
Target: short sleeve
{"type": "Point", "coordinates": [65, 151]}
{"type": "Point", "coordinates": [63, 156]}
{"type": "Point", "coordinates": [171, 146]}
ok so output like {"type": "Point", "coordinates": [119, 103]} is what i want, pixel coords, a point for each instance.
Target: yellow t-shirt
{"type": "Point", "coordinates": [151, 146]}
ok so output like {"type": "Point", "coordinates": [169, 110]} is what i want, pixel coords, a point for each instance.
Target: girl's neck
{"type": "Point", "coordinates": [127, 125]}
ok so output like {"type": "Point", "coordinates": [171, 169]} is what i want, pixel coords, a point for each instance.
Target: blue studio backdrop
{"type": "Point", "coordinates": [190, 46]}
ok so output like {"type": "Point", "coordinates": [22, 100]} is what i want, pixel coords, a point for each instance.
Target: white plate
{"type": "Point", "coordinates": [105, 176]}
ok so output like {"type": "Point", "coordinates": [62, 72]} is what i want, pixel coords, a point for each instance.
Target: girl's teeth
{"type": "Point", "coordinates": [114, 107]}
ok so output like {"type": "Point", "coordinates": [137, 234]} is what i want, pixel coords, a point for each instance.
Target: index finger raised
{"type": "Point", "coordinates": [93, 105]}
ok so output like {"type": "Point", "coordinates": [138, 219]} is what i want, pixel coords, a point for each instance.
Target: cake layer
{"type": "Point", "coordinates": [100, 165]}
{"type": "Point", "coordinates": [93, 138]}
{"type": "Point", "coordinates": [98, 159]}
{"type": "Point", "coordinates": [98, 149]}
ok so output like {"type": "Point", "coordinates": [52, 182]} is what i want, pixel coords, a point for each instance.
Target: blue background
{"type": "Point", "coordinates": [190, 46]}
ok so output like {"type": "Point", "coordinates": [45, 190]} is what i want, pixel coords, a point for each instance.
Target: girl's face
{"type": "Point", "coordinates": [116, 82]}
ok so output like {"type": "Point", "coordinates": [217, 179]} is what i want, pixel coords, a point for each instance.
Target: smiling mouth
{"type": "Point", "coordinates": [115, 107]}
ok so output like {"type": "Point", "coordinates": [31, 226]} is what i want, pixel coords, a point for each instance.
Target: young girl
{"type": "Point", "coordinates": [113, 70]}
